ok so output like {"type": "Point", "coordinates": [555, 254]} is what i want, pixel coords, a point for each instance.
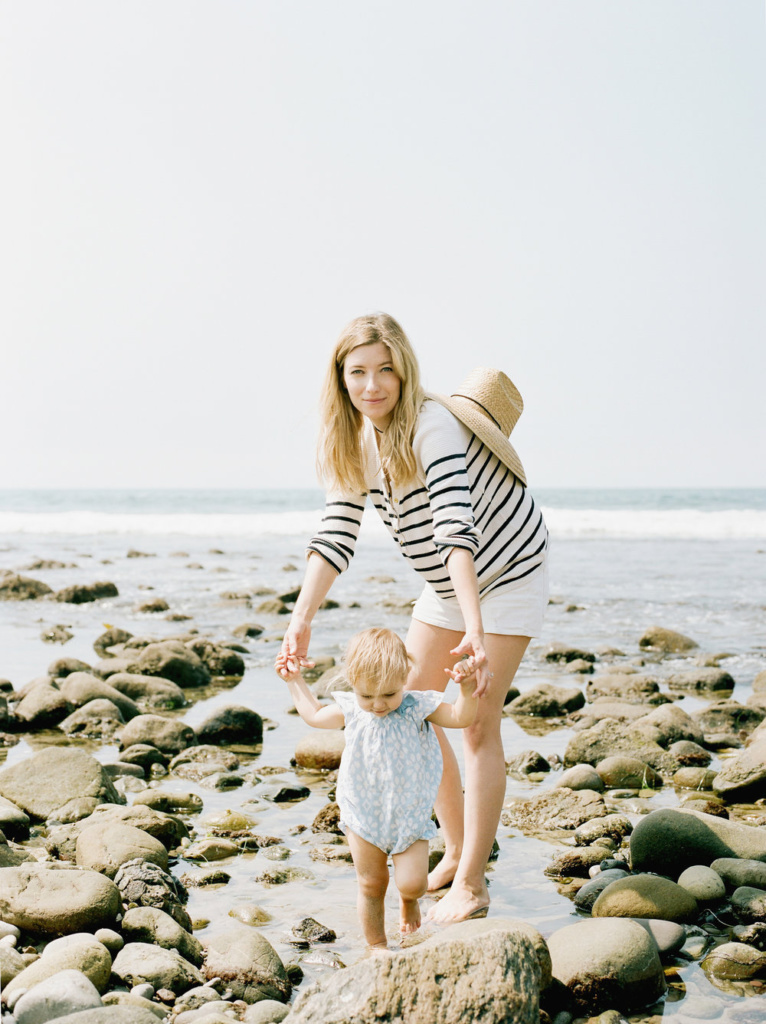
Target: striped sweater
{"type": "Point", "coordinates": [463, 497]}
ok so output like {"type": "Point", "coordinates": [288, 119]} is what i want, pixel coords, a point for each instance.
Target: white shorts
{"type": "Point", "coordinates": [518, 610]}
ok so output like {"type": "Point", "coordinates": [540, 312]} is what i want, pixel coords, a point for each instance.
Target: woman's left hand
{"type": "Point", "coordinates": [473, 645]}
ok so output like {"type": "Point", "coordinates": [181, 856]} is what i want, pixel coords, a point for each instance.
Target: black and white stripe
{"type": "Point", "coordinates": [465, 497]}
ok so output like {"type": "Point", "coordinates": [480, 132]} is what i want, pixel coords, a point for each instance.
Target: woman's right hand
{"type": "Point", "coordinates": [295, 645]}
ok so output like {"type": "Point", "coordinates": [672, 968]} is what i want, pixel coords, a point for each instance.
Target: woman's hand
{"type": "Point", "coordinates": [472, 644]}
{"type": "Point", "coordinates": [293, 655]}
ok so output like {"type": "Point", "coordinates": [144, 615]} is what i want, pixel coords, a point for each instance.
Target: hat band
{"type": "Point", "coordinates": [483, 408]}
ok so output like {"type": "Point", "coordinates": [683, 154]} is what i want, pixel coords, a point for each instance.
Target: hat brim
{"type": "Point", "coordinates": [466, 411]}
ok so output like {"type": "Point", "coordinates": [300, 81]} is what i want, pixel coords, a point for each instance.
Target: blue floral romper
{"type": "Point", "coordinates": [390, 771]}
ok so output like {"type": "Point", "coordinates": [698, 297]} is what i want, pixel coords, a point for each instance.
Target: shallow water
{"type": "Point", "coordinates": [714, 591]}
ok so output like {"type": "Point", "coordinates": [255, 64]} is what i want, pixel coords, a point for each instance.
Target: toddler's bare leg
{"type": "Point", "coordinates": [372, 876]}
{"type": "Point", "coordinates": [411, 876]}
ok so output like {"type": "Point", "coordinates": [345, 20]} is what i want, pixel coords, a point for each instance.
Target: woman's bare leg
{"type": "Point", "coordinates": [485, 781]}
{"type": "Point", "coordinates": [430, 647]}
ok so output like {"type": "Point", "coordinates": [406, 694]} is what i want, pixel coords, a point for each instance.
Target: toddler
{"type": "Point", "coordinates": [391, 767]}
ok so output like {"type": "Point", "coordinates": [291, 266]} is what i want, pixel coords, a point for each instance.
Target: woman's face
{"type": "Point", "coordinates": [372, 383]}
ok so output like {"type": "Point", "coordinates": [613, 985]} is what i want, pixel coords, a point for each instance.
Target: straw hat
{"type": "Point", "coordinates": [488, 403]}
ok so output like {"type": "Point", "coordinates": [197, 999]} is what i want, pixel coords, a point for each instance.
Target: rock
{"type": "Point", "coordinates": [694, 778]}
{"type": "Point", "coordinates": [148, 924]}
{"type": "Point", "coordinates": [210, 850]}
{"type": "Point", "coordinates": [576, 862]}
{"type": "Point", "coordinates": [231, 724]}
{"type": "Point", "coordinates": [220, 661]}
{"type": "Point", "coordinates": [167, 829]}
{"type": "Point", "coordinates": [612, 826]}
{"type": "Point", "coordinates": [700, 679]}
{"type": "Point", "coordinates": [736, 872]}
{"type": "Point", "coordinates": [144, 755]}
{"type": "Point", "coordinates": [167, 802]}
{"type": "Point", "coordinates": [557, 809]}
{"type": "Point", "coordinates": [320, 749]}
{"type": "Point", "coordinates": [609, 737]}
{"type": "Point", "coordinates": [528, 762]}
{"type": "Point", "coordinates": [43, 707]}
{"type": "Point", "coordinates": [673, 725]}
{"type": "Point", "coordinates": [248, 630]}
{"type": "Point", "coordinates": [620, 710]}
{"type": "Point", "coordinates": [636, 688]}
{"type": "Point", "coordinates": [133, 1001]}
{"type": "Point", "coordinates": [151, 691]}
{"type": "Point", "coordinates": [281, 793]}
{"type": "Point", "coordinates": [492, 974]}
{"type": "Point", "coordinates": [63, 667]}
{"type": "Point", "coordinates": [668, 935]}
{"type": "Point", "coordinates": [172, 660]}
{"type": "Point", "coordinates": [666, 640]}
{"type": "Point", "coordinates": [267, 1011]}
{"type": "Point", "coordinates": [147, 885]}
{"type": "Point", "coordinates": [669, 840]}
{"type": "Point", "coordinates": [65, 992]}
{"type": "Point", "coordinates": [53, 900]}
{"type": "Point", "coordinates": [643, 895]}
{"type": "Point", "coordinates": [22, 588]}
{"type": "Point", "coordinates": [310, 930]}
{"type": "Point", "coordinates": [81, 687]}
{"type": "Point", "coordinates": [328, 820]}
{"type": "Point", "coordinates": [11, 964]}
{"type": "Point", "coordinates": [607, 963]}
{"type": "Point", "coordinates": [587, 894]}
{"type": "Point", "coordinates": [690, 754]}
{"type": "Point", "coordinates": [563, 652]}
{"type": "Point", "coordinates": [627, 773]}
{"type": "Point", "coordinates": [106, 847]}
{"type": "Point", "coordinates": [705, 884]}
{"type": "Point", "coordinates": [167, 734]}
{"type": "Point", "coordinates": [548, 701]}
{"type": "Point", "coordinates": [580, 776]}
{"type": "Point", "coordinates": [152, 607]}
{"type": "Point", "coordinates": [743, 778]}
{"type": "Point", "coordinates": [749, 904]}
{"type": "Point", "coordinates": [110, 638]}
{"type": "Point", "coordinates": [139, 962]}
{"type": "Point", "coordinates": [82, 593]}
{"type": "Point", "coordinates": [57, 634]}
{"type": "Point", "coordinates": [112, 1015]}
{"type": "Point", "coordinates": [80, 953]}
{"type": "Point", "coordinates": [735, 961]}
{"type": "Point", "coordinates": [14, 823]}
{"type": "Point", "coordinates": [281, 876]}
{"type": "Point", "coordinates": [45, 782]}
{"type": "Point", "coordinates": [98, 718]}
{"type": "Point", "coordinates": [248, 965]}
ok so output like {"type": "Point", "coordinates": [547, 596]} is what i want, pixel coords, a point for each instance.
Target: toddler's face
{"type": "Point", "coordinates": [379, 699]}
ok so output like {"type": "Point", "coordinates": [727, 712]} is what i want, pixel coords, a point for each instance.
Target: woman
{"type": "Point", "coordinates": [452, 492]}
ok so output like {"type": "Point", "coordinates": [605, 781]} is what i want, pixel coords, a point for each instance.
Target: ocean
{"type": "Point", "coordinates": [620, 561]}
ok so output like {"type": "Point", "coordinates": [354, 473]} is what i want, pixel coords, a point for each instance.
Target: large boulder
{"type": "Point", "coordinates": [174, 661]}
{"type": "Point", "coordinates": [743, 778]}
{"type": "Point", "coordinates": [658, 638]}
{"type": "Point", "coordinates": [248, 964]}
{"type": "Point", "coordinates": [106, 847]}
{"type": "Point", "coordinates": [220, 661]}
{"type": "Point", "coordinates": [491, 976]}
{"type": "Point", "coordinates": [81, 687]}
{"type": "Point", "coordinates": [67, 991]}
{"type": "Point", "coordinates": [22, 588]}
{"type": "Point", "coordinates": [146, 885]}
{"type": "Point", "coordinates": [82, 593]}
{"type": "Point", "coordinates": [231, 724]}
{"type": "Point", "coordinates": [547, 701]}
{"type": "Point", "coordinates": [97, 718]}
{"type": "Point", "coordinates": [51, 779]}
{"type": "Point", "coordinates": [138, 963]}
{"type": "Point", "coordinates": [669, 840]}
{"type": "Point", "coordinates": [73, 953]}
{"type": "Point", "coordinates": [560, 808]}
{"type": "Point", "coordinates": [170, 735]}
{"type": "Point", "coordinates": [42, 707]}
{"type": "Point", "coordinates": [608, 737]}
{"type": "Point", "coordinates": [151, 691]}
{"type": "Point", "coordinates": [607, 963]}
{"type": "Point", "coordinates": [54, 900]}
{"type": "Point", "coordinates": [650, 896]}
{"type": "Point", "coordinates": [148, 924]}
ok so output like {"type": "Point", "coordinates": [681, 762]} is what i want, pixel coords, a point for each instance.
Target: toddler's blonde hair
{"type": "Point", "coordinates": [376, 656]}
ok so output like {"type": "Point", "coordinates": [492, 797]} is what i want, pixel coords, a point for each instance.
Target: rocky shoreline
{"type": "Point", "coordinates": [654, 819]}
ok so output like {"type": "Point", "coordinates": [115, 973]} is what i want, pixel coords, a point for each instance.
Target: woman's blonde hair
{"type": "Point", "coordinates": [340, 459]}
{"type": "Point", "coordinates": [376, 657]}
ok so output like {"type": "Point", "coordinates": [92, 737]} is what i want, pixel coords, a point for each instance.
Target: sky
{"type": "Point", "coordinates": [195, 197]}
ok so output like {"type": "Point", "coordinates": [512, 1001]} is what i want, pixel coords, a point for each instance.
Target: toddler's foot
{"type": "Point", "coordinates": [409, 915]}
{"type": "Point", "coordinates": [378, 948]}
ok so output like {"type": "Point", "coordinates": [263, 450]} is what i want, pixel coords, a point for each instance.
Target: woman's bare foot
{"type": "Point", "coordinates": [409, 915]}
{"type": "Point", "coordinates": [443, 873]}
{"type": "Point", "coordinates": [459, 904]}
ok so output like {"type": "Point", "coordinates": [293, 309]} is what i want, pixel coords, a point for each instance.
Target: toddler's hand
{"type": "Point", "coordinates": [287, 667]}
{"type": "Point", "coordinates": [463, 672]}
